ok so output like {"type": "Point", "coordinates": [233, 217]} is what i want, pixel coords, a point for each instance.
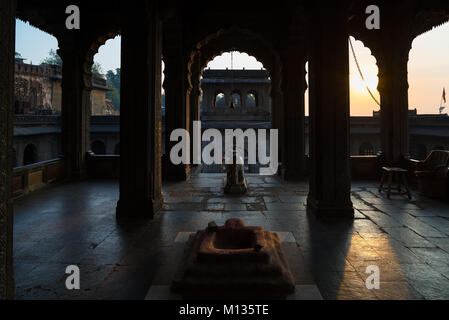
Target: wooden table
{"type": "Point", "coordinates": [399, 175]}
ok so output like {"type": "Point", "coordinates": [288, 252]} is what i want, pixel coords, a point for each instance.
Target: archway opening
{"type": "Point", "coordinates": [364, 100]}
{"type": "Point", "coordinates": [105, 97]}
{"type": "Point", "coordinates": [251, 99]}
{"type": "Point", "coordinates": [428, 79]}
{"type": "Point", "coordinates": [220, 100]}
{"type": "Point", "coordinates": [30, 154]}
{"type": "Point", "coordinates": [37, 95]}
{"type": "Point", "coordinates": [235, 93]}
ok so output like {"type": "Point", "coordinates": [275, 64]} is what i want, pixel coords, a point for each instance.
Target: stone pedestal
{"type": "Point", "coordinates": [233, 261]}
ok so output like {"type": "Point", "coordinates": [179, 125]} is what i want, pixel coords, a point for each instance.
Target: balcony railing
{"type": "Point", "coordinates": [37, 175]}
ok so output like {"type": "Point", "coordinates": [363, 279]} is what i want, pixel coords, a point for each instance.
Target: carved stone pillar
{"type": "Point", "coordinates": [277, 114]}
{"type": "Point", "coordinates": [76, 106]}
{"type": "Point", "coordinates": [392, 61]}
{"type": "Point", "coordinates": [140, 117]}
{"type": "Point", "coordinates": [195, 73]}
{"type": "Point", "coordinates": [293, 87]}
{"type": "Point", "coordinates": [330, 184]}
{"type": "Point", "coordinates": [177, 92]}
{"type": "Point", "coordinates": [7, 40]}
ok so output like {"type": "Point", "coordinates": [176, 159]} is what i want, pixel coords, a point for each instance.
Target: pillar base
{"type": "Point", "coordinates": [323, 209]}
{"type": "Point", "coordinates": [134, 208]}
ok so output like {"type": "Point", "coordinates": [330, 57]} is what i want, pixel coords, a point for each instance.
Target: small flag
{"type": "Point", "coordinates": [444, 95]}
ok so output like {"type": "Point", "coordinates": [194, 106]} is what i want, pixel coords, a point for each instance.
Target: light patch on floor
{"type": "Point", "coordinates": [183, 236]}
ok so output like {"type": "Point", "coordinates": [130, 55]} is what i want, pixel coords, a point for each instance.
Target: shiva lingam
{"type": "Point", "coordinates": [235, 179]}
{"type": "Point", "coordinates": [233, 261]}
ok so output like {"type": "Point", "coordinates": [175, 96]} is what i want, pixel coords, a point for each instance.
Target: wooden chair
{"type": "Point", "coordinates": [432, 174]}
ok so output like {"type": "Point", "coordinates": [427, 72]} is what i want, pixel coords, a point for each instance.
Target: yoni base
{"type": "Point", "coordinates": [233, 261]}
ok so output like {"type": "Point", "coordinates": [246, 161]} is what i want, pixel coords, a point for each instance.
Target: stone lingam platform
{"type": "Point", "coordinates": [233, 261]}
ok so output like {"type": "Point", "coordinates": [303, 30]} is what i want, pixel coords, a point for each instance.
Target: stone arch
{"type": "Point", "coordinates": [236, 39]}
{"type": "Point", "coordinates": [371, 78]}
{"type": "Point", "coordinates": [98, 147]}
{"type": "Point", "coordinates": [219, 99]}
{"type": "Point", "coordinates": [95, 43]}
{"type": "Point", "coordinates": [252, 99]}
{"type": "Point", "coordinates": [236, 98]}
{"type": "Point", "coordinates": [30, 154]}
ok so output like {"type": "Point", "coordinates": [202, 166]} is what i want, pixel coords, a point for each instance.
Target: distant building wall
{"type": "Point", "coordinates": [235, 95]}
{"type": "Point", "coordinates": [38, 91]}
{"type": "Point", "coordinates": [98, 99]}
{"type": "Point", "coordinates": [57, 97]}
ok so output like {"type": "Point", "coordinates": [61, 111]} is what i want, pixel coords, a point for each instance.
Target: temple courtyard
{"type": "Point", "coordinates": [75, 223]}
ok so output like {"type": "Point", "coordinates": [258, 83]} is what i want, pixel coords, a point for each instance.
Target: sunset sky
{"type": "Point", "coordinates": [428, 67]}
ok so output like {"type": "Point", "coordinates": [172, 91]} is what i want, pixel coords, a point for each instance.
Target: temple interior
{"type": "Point", "coordinates": [124, 219]}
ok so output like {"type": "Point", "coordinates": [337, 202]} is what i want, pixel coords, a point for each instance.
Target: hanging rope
{"type": "Point", "coordinates": [361, 74]}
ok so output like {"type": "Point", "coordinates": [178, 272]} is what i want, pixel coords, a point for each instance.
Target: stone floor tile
{"type": "Point", "coordinates": [75, 223]}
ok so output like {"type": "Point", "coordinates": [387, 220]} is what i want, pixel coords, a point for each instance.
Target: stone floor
{"type": "Point", "coordinates": [75, 224]}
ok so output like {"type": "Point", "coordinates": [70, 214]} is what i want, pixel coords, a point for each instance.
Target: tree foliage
{"type": "Point", "coordinates": [52, 59]}
{"type": "Point", "coordinates": [113, 80]}
{"type": "Point", "coordinates": [97, 70]}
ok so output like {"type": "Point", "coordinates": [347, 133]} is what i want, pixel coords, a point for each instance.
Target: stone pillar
{"type": "Point", "coordinates": [140, 117]}
{"type": "Point", "coordinates": [277, 114]}
{"type": "Point", "coordinates": [330, 183]}
{"type": "Point", "coordinates": [76, 106]}
{"type": "Point", "coordinates": [293, 87]}
{"type": "Point", "coordinates": [177, 93]}
{"type": "Point", "coordinates": [195, 73]}
{"type": "Point", "coordinates": [196, 90]}
{"type": "Point", "coordinates": [7, 41]}
{"type": "Point", "coordinates": [392, 59]}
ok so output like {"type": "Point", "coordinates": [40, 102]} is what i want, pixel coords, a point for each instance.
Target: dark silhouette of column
{"type": "Point", "coordinates": [392, 53]}
{"type": "Point", "coordinates": [177, 93]}
{"type": "Point", "coordinates": [330, 184]}
{"type": "Point", "coordinates": [140, 116]}
{"type": "Point", "coordinates": [195, 73]}
{"type": "Point", "coordinates": [277, 114]}
{"type": "Point", "coordinates": [76, 105]}
{"type": "Point", "coordinates": [293, 87]}
{"type": "Point", "coordinates": [7, 33]}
